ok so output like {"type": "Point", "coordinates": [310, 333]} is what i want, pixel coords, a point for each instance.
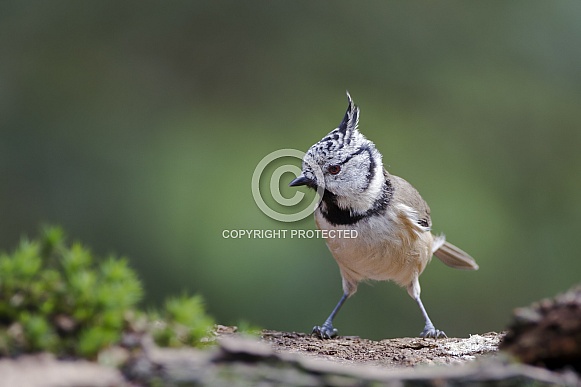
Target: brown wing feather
{"type": "Point", "coordinates": [451, 255]}
{"type": "Point", "coordinates": [405, 193]}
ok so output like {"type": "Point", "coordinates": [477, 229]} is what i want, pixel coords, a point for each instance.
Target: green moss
{"type": "Point", "coordinates": [248, 329]}
{"type": "Point", "coordinates": [183, 322]}
{"type": "Point", "coordinates": [60, 298]}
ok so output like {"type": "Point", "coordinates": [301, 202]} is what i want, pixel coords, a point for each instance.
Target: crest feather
{"type": "Point", "coordinates": [351, 119]}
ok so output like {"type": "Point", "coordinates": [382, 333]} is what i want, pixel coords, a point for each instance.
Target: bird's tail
{"type": "Point", "coordinates": [452, 255]}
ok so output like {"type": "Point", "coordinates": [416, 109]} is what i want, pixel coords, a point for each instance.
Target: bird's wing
{"type": "Point", "coordinates": [406, 196]}
{"type": "Point", "coordinates": [408, 200]}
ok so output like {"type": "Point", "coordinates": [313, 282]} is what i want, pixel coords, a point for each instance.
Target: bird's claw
{"type": "Point", "coordinates": [433, 333]}
{"type": "Point", "coordinates": [326, 331]}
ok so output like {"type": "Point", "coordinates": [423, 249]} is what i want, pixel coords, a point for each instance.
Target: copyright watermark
{"type": "Point", "coordinates": [298, 234]}
{"type": "Point", "coordinates": [292, 203]}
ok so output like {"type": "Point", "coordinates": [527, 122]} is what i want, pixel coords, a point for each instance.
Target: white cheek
{"type": "Point", "coordinates": [333, 184]}
{"type": "Point", "coordinates": [353, 181]}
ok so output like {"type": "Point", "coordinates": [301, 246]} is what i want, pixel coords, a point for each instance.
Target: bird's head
{"type": "Point", "coordinates": [345, 163]}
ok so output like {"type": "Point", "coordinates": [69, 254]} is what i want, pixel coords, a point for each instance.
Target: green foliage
{"type": "Point", "coordinates": [248, 329]}
{"type": "Point", "coordinates": [184, 322]}
{"type": "Point", "coordinates": [60, 298]}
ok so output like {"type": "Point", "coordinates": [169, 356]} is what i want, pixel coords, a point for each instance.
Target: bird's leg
{"type": "Point", "coordinates": [429, 329]}
{"type": "Point", "coordinates": [326, 331]}
{"type": "Point", "coordinates": [414, 291]}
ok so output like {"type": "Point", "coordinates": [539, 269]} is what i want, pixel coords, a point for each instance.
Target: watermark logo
{"type": "Point", "coordinates": [274, 186]}
{"type": "Point", "coordinates": [293, 234]}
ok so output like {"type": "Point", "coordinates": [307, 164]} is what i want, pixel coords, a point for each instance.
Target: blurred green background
{"type": "Point", "coordinates": [137, 125]}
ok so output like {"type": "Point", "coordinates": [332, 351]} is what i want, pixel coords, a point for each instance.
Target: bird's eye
{"type": "Point", "coordinates": [334, 169]}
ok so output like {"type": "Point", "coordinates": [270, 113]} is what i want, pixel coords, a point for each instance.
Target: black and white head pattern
{"type": "Point", "coordinates": [351, 165]}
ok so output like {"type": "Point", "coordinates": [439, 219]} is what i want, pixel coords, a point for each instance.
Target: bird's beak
{"type": "Point", "coordinates": [301, 180]}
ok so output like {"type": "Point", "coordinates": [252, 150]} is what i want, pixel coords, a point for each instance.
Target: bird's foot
{"type": "Point", "coordinates": [431, 332]}
{"type": "Point", "coordinates": [326, 331]}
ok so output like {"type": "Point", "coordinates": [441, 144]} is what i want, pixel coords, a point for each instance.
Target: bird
{"type": "Point", "coordinates": [392, 222]}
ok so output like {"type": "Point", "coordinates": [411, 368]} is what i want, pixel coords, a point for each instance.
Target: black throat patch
{"type": "Point", "coordinates": [340, 216]}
